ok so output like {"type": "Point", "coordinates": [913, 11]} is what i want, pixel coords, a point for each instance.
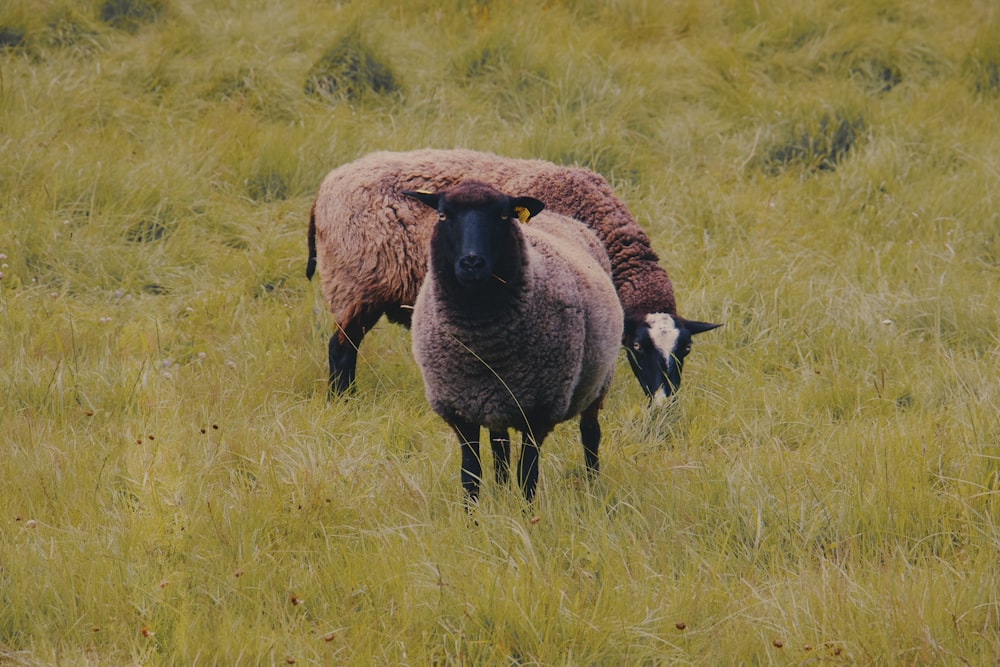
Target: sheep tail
{"type": "Point", "coordinates": [311, 263]}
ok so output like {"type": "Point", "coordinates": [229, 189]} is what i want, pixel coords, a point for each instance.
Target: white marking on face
{"type": "Point", "coordinates": [663, 333]}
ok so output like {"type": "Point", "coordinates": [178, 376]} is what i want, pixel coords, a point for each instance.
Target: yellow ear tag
{"type": "Point", "coordinates": [522, 214]}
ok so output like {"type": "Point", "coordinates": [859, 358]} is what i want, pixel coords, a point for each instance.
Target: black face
{"type": "Point", "coordinates": [474, 240]}
{"type": "Point", "coordinates": [656, 347]}
{"type": "Point", "coordinates": [475, 237]}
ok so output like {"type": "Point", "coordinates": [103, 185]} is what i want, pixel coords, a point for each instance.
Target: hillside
{"type": "Point", "coordinates": [175, 487]}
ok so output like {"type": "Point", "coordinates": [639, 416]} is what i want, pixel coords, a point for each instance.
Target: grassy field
{"type": "Point", "coordinates": [820, 175]}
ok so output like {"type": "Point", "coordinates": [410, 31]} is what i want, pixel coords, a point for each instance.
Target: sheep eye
{"type": "Point", "coordinates": [441, 217]}
{"type": "Point", "coordinates": [636, 346]}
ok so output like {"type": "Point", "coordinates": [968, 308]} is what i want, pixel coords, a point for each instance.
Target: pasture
{"type": "Point", "coordinates": [175, 487]}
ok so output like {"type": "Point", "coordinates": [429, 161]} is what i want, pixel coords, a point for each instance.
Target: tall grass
{"type": "Point", "coordinates": [176, 489]}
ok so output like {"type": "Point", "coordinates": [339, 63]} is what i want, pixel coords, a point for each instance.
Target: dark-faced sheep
{"type": "Point", "coordinates": [515, 326]}
{"type": "Point", "coordinates": [369, 243]}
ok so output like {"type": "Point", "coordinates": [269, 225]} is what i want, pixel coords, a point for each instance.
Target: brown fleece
{"type": "Point", "coordinates": [371, 241]}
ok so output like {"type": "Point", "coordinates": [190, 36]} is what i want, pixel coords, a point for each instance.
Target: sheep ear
{"type": "Point", "coordinates": [430, 198]}
{"type": "Point", "coordinates": [526, 207]}
{"type": "Point", "coordinates": [696, 327]}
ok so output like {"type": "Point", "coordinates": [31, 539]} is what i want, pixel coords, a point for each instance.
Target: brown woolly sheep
{"type": "Point", "coordinates": [369, 243]}
{"type": "Point", "coordinates": [515, 326]}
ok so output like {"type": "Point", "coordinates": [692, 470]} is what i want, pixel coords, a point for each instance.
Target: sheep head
{"type": "Point", "coordinates": [475, 231]}
{"type": "Point", "coordinates": [656, 345]}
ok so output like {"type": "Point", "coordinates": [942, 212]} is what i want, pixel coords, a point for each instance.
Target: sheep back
{"type": "Point", "coordinates": [372, 242]}
{"type": "Point", "coordinates": [548, 358]}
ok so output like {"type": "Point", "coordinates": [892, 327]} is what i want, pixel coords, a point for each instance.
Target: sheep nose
{"type": "Point", "coordinates": [472, 263]}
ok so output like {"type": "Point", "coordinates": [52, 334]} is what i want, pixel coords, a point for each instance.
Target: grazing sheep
{"type": "Point", "coordinates": [515, 326]}
{"type": "Point", "coordinates": [369, 243]}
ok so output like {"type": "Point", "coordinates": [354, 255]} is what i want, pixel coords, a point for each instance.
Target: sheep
{"type": "Point", "coordinates": [369, 243]}
{"type": "Point", "coordinates": [515, 326]}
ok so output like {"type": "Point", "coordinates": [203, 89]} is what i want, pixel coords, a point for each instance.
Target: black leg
{"type": "Point", "coordinates": [527, 465]}
{"type": "Point", "coordinates": [343, 351]}
{"type": "Point", "coordinates": [500, 442]}
{"type": "Point", "coordinates": [343, 363]}
{"type": "Point", "coordinates": [472, 469]}
{"type": "Point", "coordinates": [590, 436]}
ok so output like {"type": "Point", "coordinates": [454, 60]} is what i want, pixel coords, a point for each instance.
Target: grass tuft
{"type": "Point", "coordinates": [818, 144]}
{"type": "Point", "coordinates": [131, 15]}
{"type": "Point", "coordinates": [12, 36]}
{"type": "Point", "coordinates": [877, 75]}
{"type": "Point", "coordinates": [982, 64]}
{"type": "Point", "coordinates": [349, 69]}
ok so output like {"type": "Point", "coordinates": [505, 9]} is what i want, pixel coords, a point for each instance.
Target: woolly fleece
{"type": "Point", "coordinates": [546, 356]}
{"type": "Point", "coordinates": [372, 241]}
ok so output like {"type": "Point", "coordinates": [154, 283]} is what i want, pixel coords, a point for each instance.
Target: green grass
{"type": "Point", "coordinates": [176, 489]}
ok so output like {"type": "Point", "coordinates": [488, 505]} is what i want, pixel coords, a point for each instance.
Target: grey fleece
{"type": "Point", "coordinates": [549, 356]}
